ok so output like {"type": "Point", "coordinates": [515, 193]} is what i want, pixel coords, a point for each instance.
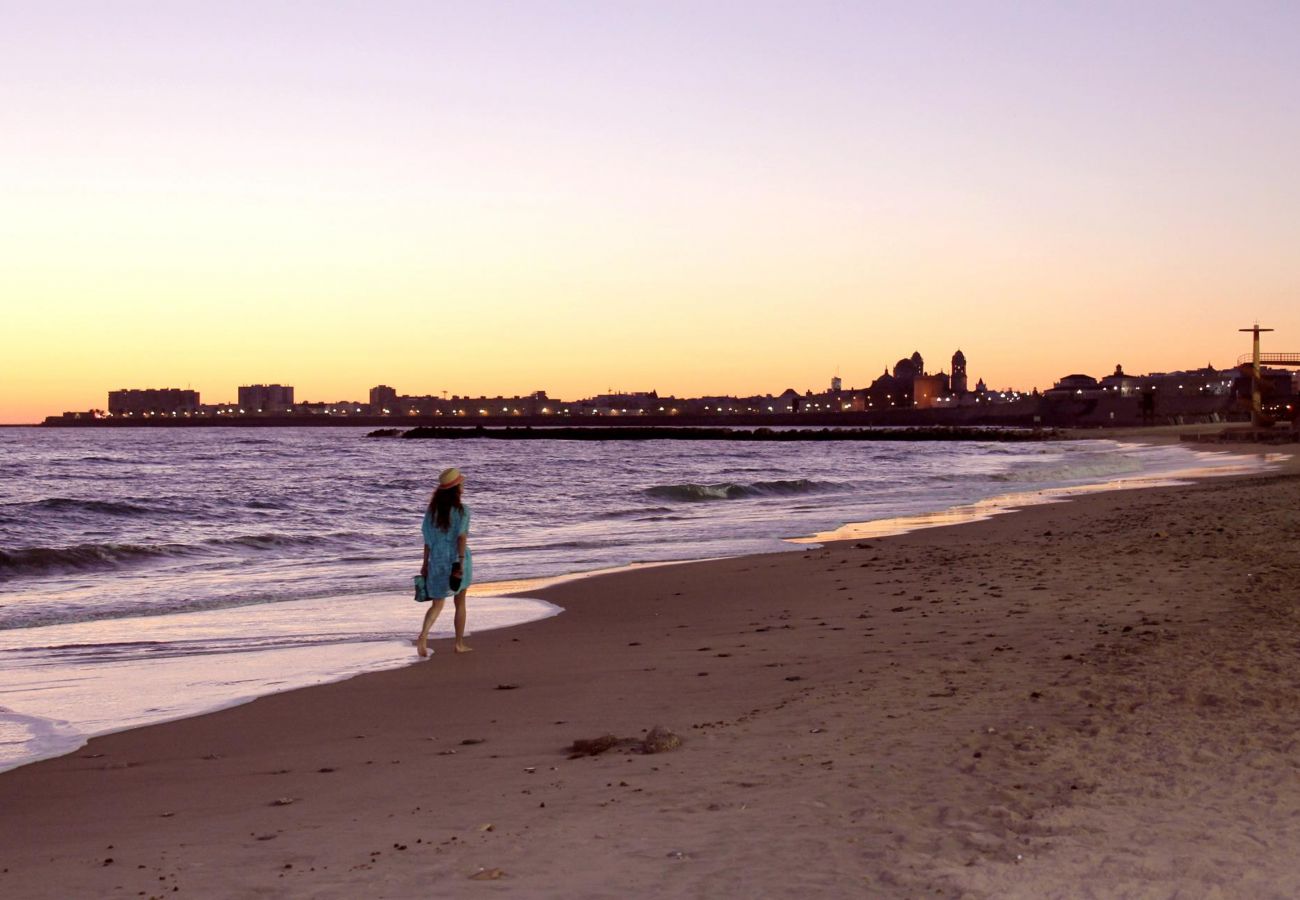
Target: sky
{"type": "Point", "coordinates": [694, 198]}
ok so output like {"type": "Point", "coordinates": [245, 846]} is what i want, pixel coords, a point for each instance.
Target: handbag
{"type": "Point", "coordinates": [421, 594]}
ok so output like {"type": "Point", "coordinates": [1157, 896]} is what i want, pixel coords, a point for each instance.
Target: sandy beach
{"type": "Point", "coordinates": [1092, 698]}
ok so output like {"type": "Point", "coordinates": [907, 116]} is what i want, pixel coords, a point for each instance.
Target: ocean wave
{"type": "Point", "coordinates": [93, 557]}
{"type": "Point", "coordinates": [107, 606]}
{"type": "Point", "coordinates": [1093, 467]}
{"type": "Point", "coordinates": [732, 491]}
{"type": "Point", "coordinates": [272, 540]}
{"type": "Point", "coordinates": [81, 557]}
{"type": "Point", "coordinates": [564, 545]}
{"type": "Point", "coordinates": [71, 504]}
{"type": "Point", "coordinates": [636, 513]}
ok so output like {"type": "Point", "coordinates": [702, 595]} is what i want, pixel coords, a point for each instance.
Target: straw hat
{"type": "Point", "coordinates": [450, 478]}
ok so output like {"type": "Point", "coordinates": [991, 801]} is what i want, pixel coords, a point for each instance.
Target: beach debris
{"type": "Point", "coordinates": [660, 740]}
{"type": "Point", "coordinates": [469, 742]}
{"type": "Point", "coordinates": [487, 874]}
{"type": "Point", "coordinates": [507, 687]}
{"type": "Point", "coordinates": [284, 801]}
{"type": "Point", "coordinates": [488, 827]}
{"type": "Point", "coordinates": [592, 746]}
{"type": "Point", "coordinates": [266, 837]}
{"type": "Point", "coordinates": [794, 678]}
{"type": "Point", "coordinates": [108, 861]}
{"type": "Point", "coordinates": [678, 854]}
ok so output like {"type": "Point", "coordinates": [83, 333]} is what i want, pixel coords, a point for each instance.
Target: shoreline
{"type": "Point", "coordinates": [64, 728]}
{"type": "Point", "coordinates": [755, 735]}
{"type": "Point", "coordinates": [525, 588]}
{"type": "Point", "coordinates": [157, 684]}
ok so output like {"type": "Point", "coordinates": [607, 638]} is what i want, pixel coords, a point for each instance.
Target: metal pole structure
{"type": "Point", "coordinates": [1256, 405]}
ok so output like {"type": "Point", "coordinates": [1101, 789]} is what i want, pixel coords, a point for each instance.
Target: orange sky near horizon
{"type": "Point", "coordinates": [499, 201]}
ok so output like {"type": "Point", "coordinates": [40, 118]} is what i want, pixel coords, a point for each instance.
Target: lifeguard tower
{"type": "Point", "coordinates": [1258, 417]}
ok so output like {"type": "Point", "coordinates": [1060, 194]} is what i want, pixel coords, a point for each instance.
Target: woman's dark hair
{"type": "Point", "coordinates": [441, 504]}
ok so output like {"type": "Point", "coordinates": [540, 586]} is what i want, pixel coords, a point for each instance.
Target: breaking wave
{"type": "Point", "coordinates": [731, 491]}
{"type": "Point", "coordinates": [92, 557]}
{"type": "Point", "coordinates": [81, 557]}
{"type": "Point", "coordinates": [1085, 467]}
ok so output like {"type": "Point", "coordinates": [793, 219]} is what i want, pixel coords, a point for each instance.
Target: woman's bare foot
{"type": "Point", "coordinates": [462, 647]}
{"type": "Point", "coordinates": [422, 646]}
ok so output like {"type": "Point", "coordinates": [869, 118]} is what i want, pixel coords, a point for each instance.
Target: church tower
{"type": "Point", "coordinates": [959, 373]}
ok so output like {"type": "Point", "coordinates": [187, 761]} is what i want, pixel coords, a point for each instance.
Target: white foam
{"type": "Point", "coordinates": [1209, 466]}
{"type": "Point", "coordinates": [63, 684]}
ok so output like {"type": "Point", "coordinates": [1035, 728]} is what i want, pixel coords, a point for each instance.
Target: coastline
{"type": "Point", "coordinates": [837, 700]}
{"type": "Point", "coordinates": [159, 668]}
{"type": "Point", "coordinates": [65, 704]}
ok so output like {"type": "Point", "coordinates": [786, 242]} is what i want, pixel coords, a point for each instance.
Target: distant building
{"type": "Point", "coordinates": [1120, 383]}
{"type": "Point", "coordinates": [929, 390]}
{"type": "Point", "coordinates": [265, 398]}
{"type": "Point", "coordinates": [1206, 382]}
{"type": "Point", "coordinates": [536, 403]}
{"type": "Point", "coordinates": [1193, 382]}
{"type": "Point", "coordinates": [837, 384]}
{"type": "Point", "coordinates": [896, 389]}
{"type": "Point", "coordinates": [909, 367]}
{"type": "Point", "coordinates": [152, 402]}
{"type": "Point", "coordinates": [383, 400]}
{"type": "Point", "coordinates": [1075, 385]}
{"type": "Point", "coordinates": [958, 384]}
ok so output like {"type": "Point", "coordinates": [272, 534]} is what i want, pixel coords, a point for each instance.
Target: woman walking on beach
{"type": "Point", "coordinates": [448, 565]}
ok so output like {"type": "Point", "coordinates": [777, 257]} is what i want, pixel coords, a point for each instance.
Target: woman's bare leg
{"type": "Point", "coordinates": [431, 616]}
{"type": "Point", "coordinates": [461, 646]}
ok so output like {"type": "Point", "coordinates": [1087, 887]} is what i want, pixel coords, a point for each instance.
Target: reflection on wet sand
{"type": "Point", "coordinates": [984, 509]}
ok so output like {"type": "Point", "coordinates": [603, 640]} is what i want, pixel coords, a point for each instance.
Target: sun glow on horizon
{"type": "Point", "coordinates": [569, 198]}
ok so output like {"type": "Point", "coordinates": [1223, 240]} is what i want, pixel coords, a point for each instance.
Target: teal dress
{"type": "Point", "coordinates": [442, 553]}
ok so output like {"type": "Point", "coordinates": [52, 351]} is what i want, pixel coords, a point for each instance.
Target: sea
{"type": "Point", "coordinates": [151, 574]}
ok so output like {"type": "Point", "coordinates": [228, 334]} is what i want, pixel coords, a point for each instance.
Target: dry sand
{"type": "Point", "coordinates": [1096, 698]}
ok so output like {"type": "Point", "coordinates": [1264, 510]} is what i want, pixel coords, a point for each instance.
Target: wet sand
{"type": "Point", "coordinates": [1099, 697]}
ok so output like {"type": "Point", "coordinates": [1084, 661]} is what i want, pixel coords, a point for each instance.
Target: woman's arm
{"type": "Point", "coordinates": [424, 566]}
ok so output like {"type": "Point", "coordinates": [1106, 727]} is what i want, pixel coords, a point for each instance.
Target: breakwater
{"type": "Point", "coordinates": [660, 433]}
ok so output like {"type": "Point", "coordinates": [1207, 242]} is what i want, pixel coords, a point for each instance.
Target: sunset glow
{"type": "Point", "coordinates": [496, 199]}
